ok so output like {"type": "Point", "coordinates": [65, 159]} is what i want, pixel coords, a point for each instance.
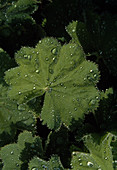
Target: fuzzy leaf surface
{"type": "Point", "coordinates": [100, 156]}
{"type": "Point", "coordinates": [63, 74]}
{"type": "Point", "coordinates": [12, 154]}
{"type": "Point", "coordinates": [13, 117]}
{"type": "Point", "coordinates": [19, 10]}
{"type": "Point", "coordinates": [53, 163]}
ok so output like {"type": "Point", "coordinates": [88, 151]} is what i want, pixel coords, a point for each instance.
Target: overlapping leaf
{"type": "Point", "coordinates": [97, 36]}
{"type": "Point", "coordinates": [13, 155]}
{"type": "Point", "coordinates": [13, 117]}
{"type": "Point", "coordinates": [53, 163]}
{"type": "Point", "coordinates": [5, 63]}
{"type": "Point", "coordinates": [17, 9]}
{"type": "Point", "coordinates": [62, 73]}
{"type": "Point", "coordinates": [100, 156]}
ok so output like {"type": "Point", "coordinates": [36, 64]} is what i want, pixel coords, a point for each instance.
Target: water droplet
{"type": "Point", "coordinates": [44, 166]}
{"type": "Point", "coordinates": [74, 153]}
{"type": "Point", "coordinates": [75, 109]}
{"type": "Point", "coordinates": [12, 152]}
{"type": "Point", "coordinates": [54, 51]}
{"type": "Point", "coordinates": [80, 164]}
{"type": "Point", "coordinates": [34, 168]}
{"type": "Point", "coordinates": [29, 57]}
{"type": "Point", "coordinates": [61, 84]}
{"type": "Point", "coordinates": [34, 88]}
{"type": "Point", "coordinates": [97, 97]}
{"type": "Point", "coordinates": [47, 58]}
{"type": "Point", "coordinates": [17, 164]}
{"type": "Point", "coordinates": [51, 71]}
{"type": "Point", "coordinates": [26, 75]}
{"type": "Point", "coordinates": [37, 71]}
{"type": "Point", "coordinates": [73, 30]}
{"type": "Point", "coordinates": [91, 71]}
{"type": "Point", "coordinates": [95, 75]}
{"type": "Point", "coordinates": [25, 56]}
{"type": "Point", "coordinates": [105, 158]}
{"type": "Point", "coordinates": [92, 102]}
{"type": "Point", "coordinates": [116, 161]}
{"type": "Point", "coordinates": [21, 107]}
{"type": "Point", "coordinates": [90, 164]}
{"type": "Point", "coordinates": [19, 92]}
{"type": "Point", "coordinates": [40, 41]}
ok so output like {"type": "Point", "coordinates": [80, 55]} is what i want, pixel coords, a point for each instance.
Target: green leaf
{"type": "Point", "coordinates": [63, 74]}
{"type": "Point", "coordinates": [72, 31]}
{"type": "Point", "coordinates": [39, 164]}
{"type": "Point", "coordinates": [13, 117]}
{"type": "Point", "coordinates": [100, 156]}
{"type": "Point", "coordinates": [97, 37]}
{"type": "Point", "coordinates": [17, 9]}
{"type": "Point", "coordinates": [13, 155]}
{"type": "Point", "coordinates": [5, 63]}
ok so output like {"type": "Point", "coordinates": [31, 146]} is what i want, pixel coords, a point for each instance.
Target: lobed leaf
{"type": "Point", "coordinates": [13, 155]}
{"type": "Point", "coordinates": [13, 117]}
{"type": "Point", "coordinates": [97, 37]}
{"type": "Point", "coordinates": [5, 63]}
{"type": "Point", "coordinates": [38, 164]}
{"type": "Point", "coordinates": [63, 74]}
{"type": "Point", "coordinates": [100, 156]}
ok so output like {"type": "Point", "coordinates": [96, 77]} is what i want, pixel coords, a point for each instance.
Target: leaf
{"type": "Point", "coordinates": [12, 154]}
{"type": "Point", "coordinates": [100, 156]}
{"type": "Point", "coordinates": [63, 74]}
{"type": "Point", "coordinates": [17, 9]}
{"type": "Point", "coordinates": [5, 63]}
{"type": "Point", "coordinates": [53, 163]}
{"type": "Point", "coordinates": [13, 117]}
{"type": "Point", "coordinates": [97, 37]}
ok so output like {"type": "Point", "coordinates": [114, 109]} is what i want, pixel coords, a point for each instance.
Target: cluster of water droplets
{"type": "Point", "coordinates": [82, 161]}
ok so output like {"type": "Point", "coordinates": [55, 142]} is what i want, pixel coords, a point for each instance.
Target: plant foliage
{"type": "Point", "coordinates": [58, 92]}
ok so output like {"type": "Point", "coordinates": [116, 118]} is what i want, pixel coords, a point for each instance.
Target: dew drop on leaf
{"type": "Point", "coordinates": [51, 71]}
{"type": "Point", "coordinates": [75, 109]}
{"type": "Point", "coordinates": [91, 71]}
{"type": "Point", "coordinates": [37, 71]}
{"type": "Point", "coordinates": [80, 164]}
{"type": "Point", "coordinates": [54, 51]}
{"type": "Point", "coordinates": [34, 169]}
{"type": "Point", "coordinates": [19, 92]}
{"type": "Point", "coordinates": [12, 152]}
{"type": "Point", "coordinates": [105, 158]}
{"type": "Point", "coordinates": [92, 102]}
{"type": "Point", "coordinates": [47, 58]}
{"type": "Point", "coordinates": [26, 75]}
{"type": "Point", "coordinates": [34, 88]}
{"type": "Point", "coordinates": [17, 164]}
{"type": "Point", "coordinates": [90, 164]}
{"type": "Point", "coordinates": [73, 30]}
